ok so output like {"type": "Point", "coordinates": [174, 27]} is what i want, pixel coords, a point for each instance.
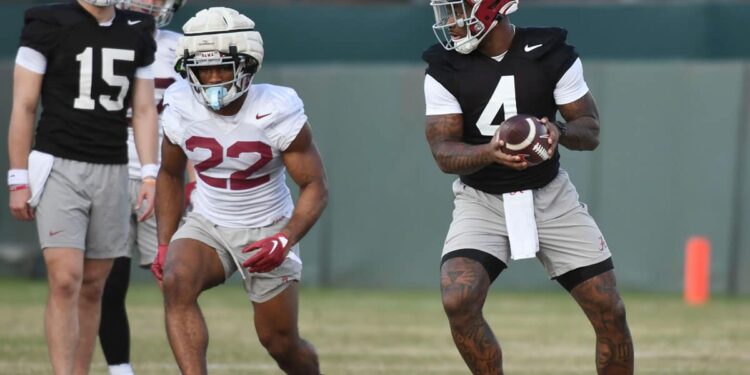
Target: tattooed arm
{"type": "Point", "coordinates": [582, 119]}
{"type": "Point", "coordinates": [444, 134]}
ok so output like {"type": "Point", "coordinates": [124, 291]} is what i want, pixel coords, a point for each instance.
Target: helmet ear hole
{"type": "Point", "coordinates": [251, 66]}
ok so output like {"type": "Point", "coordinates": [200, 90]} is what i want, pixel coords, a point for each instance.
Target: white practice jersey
{"type": "Point", "coordinates": [241, 179]}
{"type": "Point", "coordinates": [164, 76]}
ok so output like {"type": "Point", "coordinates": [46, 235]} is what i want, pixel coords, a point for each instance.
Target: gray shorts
{"type": "Point", "coordinates": [568, 236]}
{"type": "Point", "coordinates": [260, 287]}
{"type": "Point", "coordinates": [85, 206]}
{"type": "Point", "coordinates": [142, 234]}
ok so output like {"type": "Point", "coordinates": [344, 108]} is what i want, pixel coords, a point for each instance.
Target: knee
{"type": "Point", "coordinates": [459, 305]}
{"type": "Point", "coordinates": [92, 289]}
{"type": "Point", "coordinates": [618, 313]}
{"type": "Point", "coordinates": [64, 285]}
{"type": "Point", "coordinates": [177, 288]}
{"type": "Point", "coordinates": [281, 345]}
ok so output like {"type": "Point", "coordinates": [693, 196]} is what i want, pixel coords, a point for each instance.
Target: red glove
{"type": "Point", "coordinates": [272, 253]}
{"type": "Point", "coordinates": [157, 267]}
{"type": "Point", "coordinates": [189, 187]}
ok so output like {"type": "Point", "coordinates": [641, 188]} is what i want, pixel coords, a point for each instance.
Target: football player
{"type": "Point", "coordinates": [114, 330]}
{"type": "Point", "coordinates": [88, 63]}
{"type": "Point", "coordinates": [483, 71]}
{"type": "Point", "coordinates": [242, 139]}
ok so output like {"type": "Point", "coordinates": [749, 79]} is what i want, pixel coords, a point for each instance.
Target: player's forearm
{"type": "Point", "coordinates": [146, 135]}
{"type": "Point", "coordinates": [312, 201]}
{"type": "Point", "coordinates": [582, 134]}
{"type": "Point", "coordinates": [169, 204]}
{"type": "Point", "coordinates": [461, 158]}
{"type": "Point", "coordinates": [20, 136]}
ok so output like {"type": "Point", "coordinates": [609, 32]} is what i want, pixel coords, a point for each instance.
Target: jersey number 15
{"type": "Point", "coordinates": [109, 56]}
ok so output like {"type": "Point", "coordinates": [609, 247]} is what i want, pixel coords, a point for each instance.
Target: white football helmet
{"type": "Point", "coordinates": [101, 3]}
{"type": "Point", "coordinates": [162, 14]}
{"type": "Point", "coordinates": [481, 17]}
{"type": "Point", "coordinates": [219, 36]}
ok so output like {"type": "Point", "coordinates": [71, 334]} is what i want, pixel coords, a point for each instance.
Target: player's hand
{"type": "Point", "coordinates": [554, 135]}
{"type": "Point", "coordinates": [513, 161]}
{"type": "Point", "coordinates": [272, 252]}
{"type": "Point", "coordinates": [19, 204]}
{"type": "Point", "coordinates": [157, 266]}
{"type": "Point", "coordinates": [147, 193]}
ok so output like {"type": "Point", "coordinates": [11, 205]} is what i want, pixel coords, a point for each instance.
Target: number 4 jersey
{"type": "Point", "coordinates": [240, 173]}
{"type": "Point", "coordinates": [88, 70]}
{"type": "Point", "coordinates": [539, 72]}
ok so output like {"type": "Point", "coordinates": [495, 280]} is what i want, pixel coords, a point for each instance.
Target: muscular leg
{"type": "Point", "coordinates": [95, 273]}
{"type": "Point", "coordinates": [114, 331]}
{"type": "Point", "coordinates": [600, 300]}
{"type": "Point", "coordinates": [191, 267]}
{"type": "Point", "coordinates": [276, 325]}
{"type": "Point", "coordinates": [64, 275]}
{"type": "Point", "coordinates": [464, 284]}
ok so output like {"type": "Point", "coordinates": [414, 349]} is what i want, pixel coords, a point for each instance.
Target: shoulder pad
{"type": "Point", "coordinates": [279, 100]}
{"type": "Point", "coordinates": [179, 95]}
{"type": "Point", "coordinates": [438, 57]}
{"type": "Point", "coordinates": [535, 42]}
{"type": "Point", "coordinates": [54, 15]}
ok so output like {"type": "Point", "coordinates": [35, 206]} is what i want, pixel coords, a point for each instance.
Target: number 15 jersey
{"type": "Point", "coordinates": [241, 177]}
{"type": "Point", "coordinates": [88, 78]}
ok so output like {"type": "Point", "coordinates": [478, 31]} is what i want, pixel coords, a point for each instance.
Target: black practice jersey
{"type": "Point", "coordinates": [89, 78]}
{"type": "Point", "coordinates": [488, 91]}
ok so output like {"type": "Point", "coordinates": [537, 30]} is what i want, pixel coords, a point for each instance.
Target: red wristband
{"type": "Point", "coordinates": [18, 187]}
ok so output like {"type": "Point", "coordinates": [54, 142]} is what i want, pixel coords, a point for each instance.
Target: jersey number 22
{"type": "Point", "coordinates": [238, 180]}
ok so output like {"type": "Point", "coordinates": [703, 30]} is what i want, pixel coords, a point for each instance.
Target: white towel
{"type": "Point", "coordinates": [521, 224]}
{"type": "Point", "coordinates": [40, 165]}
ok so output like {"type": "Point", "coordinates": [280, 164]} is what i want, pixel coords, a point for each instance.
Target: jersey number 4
{"type": "Point", "coordinates": [504, 97]}
{"type": "Point", "coordinates": [238, 180]}
{"type": "Point", "coordinates": [109, 56]}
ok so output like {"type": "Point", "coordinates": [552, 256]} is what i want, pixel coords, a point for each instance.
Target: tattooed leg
{"type": "Point", "coordinates": [599, 299]}
{"type": "Point", "coordinates": [464, 284]}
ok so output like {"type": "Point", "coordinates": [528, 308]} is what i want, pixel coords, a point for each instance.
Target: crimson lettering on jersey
{"type": "Point", "coordinates": [238, 180]}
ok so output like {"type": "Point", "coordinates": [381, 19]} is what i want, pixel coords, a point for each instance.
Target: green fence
{"type": "Point", "coordinates": [671, 162]}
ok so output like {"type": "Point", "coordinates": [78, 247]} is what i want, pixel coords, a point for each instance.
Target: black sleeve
{"type": "Point", "coordinates": [145, 29]}
{"type": "Point", "coordinates": [40, 30]}
{"type": "Point", "coordinates": [148, 51]}
{"type": "Point", "coordinates": [560, 56]}
{"type": "Point", "coordinates": [560, 61]}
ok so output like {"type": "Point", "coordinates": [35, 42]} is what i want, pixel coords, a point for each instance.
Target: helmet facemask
{"type": "Point", "coordinates": [476, 18]}
{"type": "Point", "coordinates": [219, 95]}
{"type": "Point", "coordinates": [101, 3]}
{"type": "Point", "coordinates": [217, 37]}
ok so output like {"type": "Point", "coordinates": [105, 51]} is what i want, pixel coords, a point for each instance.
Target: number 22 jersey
{"type": "Point", "coordinates": [241, 176]}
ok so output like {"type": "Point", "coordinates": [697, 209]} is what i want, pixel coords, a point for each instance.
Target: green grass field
{"type": "Point", "coordinates": [405, 332]}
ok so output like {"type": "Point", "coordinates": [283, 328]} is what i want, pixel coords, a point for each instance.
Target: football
{"type": "Point", "coordinates": [526, 136]}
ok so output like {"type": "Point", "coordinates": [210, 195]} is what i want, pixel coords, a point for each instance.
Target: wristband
{"type": "Point", "coordinates": [562, 127]}
{"type": "Point", "coordinates": [149, 170]}
{"type": "Point", "coordinates": [18, 177]}
{"type": "Point", "coordinates": [18, 187]}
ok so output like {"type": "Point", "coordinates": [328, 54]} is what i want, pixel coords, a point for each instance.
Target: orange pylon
{"type": "Point", "coordinates": [697, 270]}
